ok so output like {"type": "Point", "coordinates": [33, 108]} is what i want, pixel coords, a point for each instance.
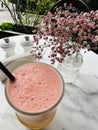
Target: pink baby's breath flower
{"type": "Point", "coordinates": [96, 37]}
{"type": "Point", "coordinates": [89, 35]}
{"type": "Point", "coordinates": [75, 30]}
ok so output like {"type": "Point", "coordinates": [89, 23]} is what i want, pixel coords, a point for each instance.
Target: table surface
{"type": "Point", "coordinates": [78, 109]}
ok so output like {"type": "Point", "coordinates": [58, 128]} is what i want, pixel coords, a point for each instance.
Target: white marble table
{"type": "Point", "coordinates": [78, 109]}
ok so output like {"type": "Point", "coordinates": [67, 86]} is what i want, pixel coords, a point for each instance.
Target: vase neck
{"type": "Point", "coordinates": [75, 59]}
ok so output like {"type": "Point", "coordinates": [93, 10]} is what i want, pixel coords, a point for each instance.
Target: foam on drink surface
{"type": "Point", "coordinates": [37, 87]}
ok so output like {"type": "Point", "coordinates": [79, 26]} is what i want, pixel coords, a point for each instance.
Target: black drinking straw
{"type": "Point", "coordinates": [6, 71]}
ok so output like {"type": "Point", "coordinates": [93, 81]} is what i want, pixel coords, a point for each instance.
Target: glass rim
{"type": "Point", "coordinates": [40, 112]}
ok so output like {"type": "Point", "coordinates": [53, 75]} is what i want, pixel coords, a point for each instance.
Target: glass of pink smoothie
{"type": "Point", "coordinates": [35, 94]}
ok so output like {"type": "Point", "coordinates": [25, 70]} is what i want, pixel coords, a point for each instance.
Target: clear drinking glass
{"type": "Point", "coordinates": [36, 120]}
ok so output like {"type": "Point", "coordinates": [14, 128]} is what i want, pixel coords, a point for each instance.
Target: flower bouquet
{"type": "Point", "coordinates": [66, 32]}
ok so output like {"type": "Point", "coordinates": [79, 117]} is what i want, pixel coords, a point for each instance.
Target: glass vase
{"type": "Point", "coordinates": [70, 66]}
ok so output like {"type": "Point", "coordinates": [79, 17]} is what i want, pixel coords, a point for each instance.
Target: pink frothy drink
{"type": "Point", "coordinates": [35, 93]}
